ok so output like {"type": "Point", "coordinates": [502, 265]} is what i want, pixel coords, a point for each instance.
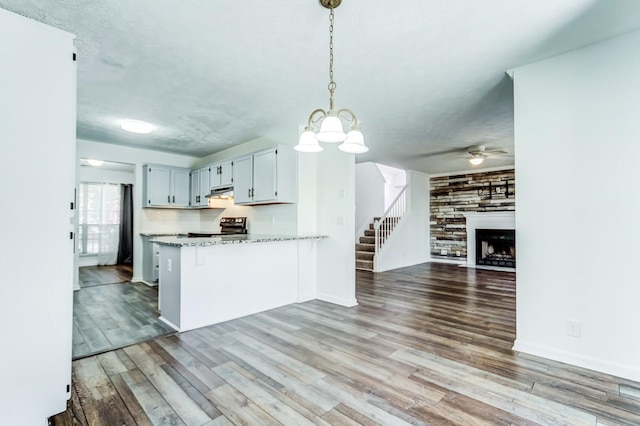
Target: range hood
{"type": "Point", "coordinates": [224, 192]}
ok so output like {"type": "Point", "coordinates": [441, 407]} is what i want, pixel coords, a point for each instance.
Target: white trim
{"type": "Point", "coordinates": [349, 303]}
{"type": "Point", "coordinates": [169, 323]}
{"type": "Point", "coordinates": [485, 220]}
{"type": "Point", "coordinates": [625, 371]}
{"type": "Point", "coordinates": [140, 280]}
{"type": "Point", "coordinates": [461, 262]}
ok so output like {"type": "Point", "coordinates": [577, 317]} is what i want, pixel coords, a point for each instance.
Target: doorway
{"type": "Point", "coordinates": [109, 310]}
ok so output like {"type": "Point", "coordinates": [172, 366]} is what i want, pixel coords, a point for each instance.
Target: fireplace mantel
{"type": "Point", "coordinates": [485, 220]}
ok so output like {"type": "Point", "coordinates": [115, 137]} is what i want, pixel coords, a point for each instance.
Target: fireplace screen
{"type": "Point", "coordinates": [496, 247]}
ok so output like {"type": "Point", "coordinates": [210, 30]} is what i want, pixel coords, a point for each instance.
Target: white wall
{"type": "Point", "coordinates": [577, 148]}
{"type": "Point", "coordinates": [370, 193]}
{"type": "Point", "coordinates": [409, 242]}
{"type": "Point", "coordinates": [336, 218]}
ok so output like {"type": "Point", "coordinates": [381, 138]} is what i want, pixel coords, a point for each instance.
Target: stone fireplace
{"type": "Point", "coordinates": [490, 221]}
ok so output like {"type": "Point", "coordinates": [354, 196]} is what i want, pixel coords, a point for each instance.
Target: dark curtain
{"type": "Point", "coordinates": [125, 248]}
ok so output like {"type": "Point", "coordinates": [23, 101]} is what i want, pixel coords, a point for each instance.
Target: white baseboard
{"type": "Point", "coordinates": [136, 279]}
{"type": "Point", "coordinates": [169, 323]}
{"type": "Point", "coordinates": [349, 303]}
{"type": "Point", "coordinates": [630, 372]}
{"type": "Point", "coordinates": [460, 262]}
{"type": "Point", "coordinates": [145, 283]}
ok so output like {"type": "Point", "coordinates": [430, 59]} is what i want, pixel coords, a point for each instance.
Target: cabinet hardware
{"type": "Point", "coordinates": [249, 193]}
{"type": "Point", "coordinates": [174, 198]}
{"type": "Point", "coordinates": [71, 235]}
{"type": "Point", "coordinates": [168, 198]}
{"type": "Point", "coordinates": [74, 58]}
{"type": "Point", "coordinates": [71, 207]}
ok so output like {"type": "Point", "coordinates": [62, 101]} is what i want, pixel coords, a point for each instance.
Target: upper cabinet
{"type": "Point", "coordinates": [165, 186]}
{"type": "Point", "coordinates": [222, 174]}
{"type": "Point", "coordinates": [200, 187]}
{"type": "Point", "coordinates": [264, 177]}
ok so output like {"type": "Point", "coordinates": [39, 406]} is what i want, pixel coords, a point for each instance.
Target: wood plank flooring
{"type": "Point", "coordinates": [110, 316]}
{"type": "Point", "coordinates": [90, 276]}
{"type": "Point", "coordinates": [428, 344]}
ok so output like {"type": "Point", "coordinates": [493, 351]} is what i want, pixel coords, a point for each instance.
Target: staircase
{"type": "Point", "coordinates": [366, 248]}
{"type": "Point", "coordinates": [371, 241]}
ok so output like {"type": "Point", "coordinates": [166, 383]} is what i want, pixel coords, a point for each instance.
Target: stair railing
{"type": "Point", "coordinates": [388, 221]}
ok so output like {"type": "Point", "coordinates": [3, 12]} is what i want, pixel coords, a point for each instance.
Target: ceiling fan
{"type": "Point", "coordinates": [476, 154]}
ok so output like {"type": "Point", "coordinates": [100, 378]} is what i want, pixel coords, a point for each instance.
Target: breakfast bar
{"type": "Point", "coordinates": [208, 280]}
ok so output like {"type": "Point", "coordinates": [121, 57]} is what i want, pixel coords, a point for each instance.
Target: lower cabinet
{"type": "Point", "coordinates": [150, 261]}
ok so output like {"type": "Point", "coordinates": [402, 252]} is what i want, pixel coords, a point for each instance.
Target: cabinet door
{"type": "Point", "coordinates": [180, 183]}
{"type": "Point", "coordinates": [264, 176]}
{"type": "Point", "coordinates": [226, 173]}
{"type": "Point", "coordinates": [205, 185]}
{"type": "Point", "coordinates": [242, 179]}
{"type": "Point", "coordinates": [214, 178]}
{"type": "Point", "coordinates": [195, 188]}
{"type": "Point", "coordinates": [158, 186]}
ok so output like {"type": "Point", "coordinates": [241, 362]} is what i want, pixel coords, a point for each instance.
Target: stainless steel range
{"type": "Point", "coordinates": [228, 226]}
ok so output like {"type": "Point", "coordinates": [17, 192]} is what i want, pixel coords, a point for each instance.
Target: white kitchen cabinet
{"type": "Point", "coordinates": [267, 176]}
{"type": "Point", "coordinates": [38, 126]}
{"type": "Point", "coordinates": [221, 174]}
{"type": "Point", "coordinates": [150, 259]}
{"type": "Point", "coordinates": [165, 186]}
{"type": "Point", "coordinates": [200, 187]}
{"type": "Point", "coordinates": [243, 179]}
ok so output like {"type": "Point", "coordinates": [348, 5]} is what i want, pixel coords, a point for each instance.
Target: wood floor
{"type": "Point", "coordinates": [109, 316]}
{"type": "Point", "coordinates": [427, 345]}
{"type": "Point", "coordinates": [90, 276]}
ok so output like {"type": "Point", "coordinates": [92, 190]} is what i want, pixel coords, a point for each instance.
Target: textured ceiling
{"type": "Point", "coordinates": [423, 76]}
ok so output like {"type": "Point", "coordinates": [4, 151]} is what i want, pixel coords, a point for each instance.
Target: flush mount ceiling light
{"type": "Point", "coordinates": [326, 126]}
{"type": "Point", "coordinates": [476, 159]}
{"type": "Point", "coordinates": [136, 126]}
{"type": "Point", "coordinates": [95, 163]}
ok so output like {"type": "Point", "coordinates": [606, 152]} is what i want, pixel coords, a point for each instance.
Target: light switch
{"type": "Point", "coordinates": [341, 193]}
{"type": "Point", "coordinates": [340, 220]}
{"type": "Point", "coordinates": [169, 265]}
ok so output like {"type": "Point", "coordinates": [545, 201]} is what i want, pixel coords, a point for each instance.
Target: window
{"type": "Point", "coordinates": [99, 218]}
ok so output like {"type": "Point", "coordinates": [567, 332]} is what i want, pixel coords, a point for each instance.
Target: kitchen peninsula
{"type": "Point", "coordinates": [205, 281]}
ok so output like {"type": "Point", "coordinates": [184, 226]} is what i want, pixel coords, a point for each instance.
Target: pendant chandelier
{"type": "Point", "coordinates": [327, 126]}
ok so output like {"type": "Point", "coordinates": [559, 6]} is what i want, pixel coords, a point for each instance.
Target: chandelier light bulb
{"type": "Point", "coordinates": [331, 129]}
{"type": "Point", "coordinates": [308, 142]}
{"type": "Point", "coordinates": [354, 143]}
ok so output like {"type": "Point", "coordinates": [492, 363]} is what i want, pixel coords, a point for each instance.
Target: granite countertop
{"type": "Point", "coordinates": [183, 241]}
{"type": "Point", "coordinates": [157, 234]}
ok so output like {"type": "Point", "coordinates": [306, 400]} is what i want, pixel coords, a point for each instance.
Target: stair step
{"type": "Point", "coordinates": [372, 233]}
{"type": "Point", "coordinates": [366, 247]}
{"type": "Point", "coordinates": [364, 255]}
{"type": "Point", "coordinates": [367, 240]}
{"type": "Point", "coordinates": [364, 264]}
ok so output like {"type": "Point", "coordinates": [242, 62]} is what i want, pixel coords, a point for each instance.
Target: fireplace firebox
{"type": "Point", "coordinates": [496, 247]}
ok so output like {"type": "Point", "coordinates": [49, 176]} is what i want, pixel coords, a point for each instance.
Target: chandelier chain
{"type": "Point", "coordinates": [332, 84]}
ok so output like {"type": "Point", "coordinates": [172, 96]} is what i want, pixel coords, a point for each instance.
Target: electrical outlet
{"type": "Point", "coordinates": [573, 328]}
{"type": "Point", "coordinates": [340, 220]}
{"type": "Point", "coordinates": [458, 253]}
{"type": "Point", "coordinates": [169, 265]}
{"type": "Point", "coordinates": [443, 252]}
